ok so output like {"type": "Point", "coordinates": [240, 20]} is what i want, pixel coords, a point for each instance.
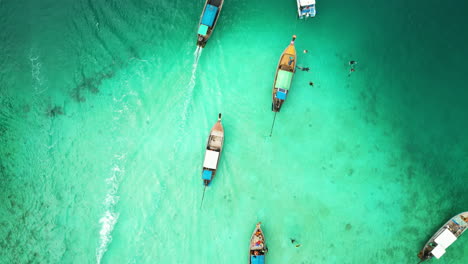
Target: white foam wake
{"type": "Point", "coordinates": [110, 217]}
{"type": "Point", "coordinates": [36, 65]}
{"type": "Point", "coordinates": [191, 85]}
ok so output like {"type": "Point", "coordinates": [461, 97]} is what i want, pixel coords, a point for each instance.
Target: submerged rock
{"type": "Point", "coordinates": [55, 111]}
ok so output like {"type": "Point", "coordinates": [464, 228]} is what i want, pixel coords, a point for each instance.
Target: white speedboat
{"type": "Point", "coordinates": [306, 8]}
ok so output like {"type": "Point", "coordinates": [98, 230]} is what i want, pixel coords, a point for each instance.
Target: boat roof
{"type": "Point", "coordinates": [445, 239]}
{"type": "Point", "coordinates": [260, 259]}
{"type": "Point", "coordinates": [438, 251]}
{"type": "Point", "coordinates": [307, 2]}
{"type": "Point", "coordinates": [284, 79]}
{"type": "Point", "coordinates": [209, 15]}
{"type": "Point", "coordinates": [211, 159]}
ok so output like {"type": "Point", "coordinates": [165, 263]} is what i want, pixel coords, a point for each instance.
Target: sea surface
{"type": "Point", "coordinates": [106, 107]}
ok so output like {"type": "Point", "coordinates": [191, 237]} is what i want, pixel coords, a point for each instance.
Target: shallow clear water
{"type": "Point", "coordinates": [106, 109]}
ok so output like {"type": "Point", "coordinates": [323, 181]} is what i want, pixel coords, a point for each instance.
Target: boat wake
{"type": "Point", "coordinates": [192, 83]}
{"type": "Point", "coordinates": [36, 65]}
{"type": "Point", "coordinates": [110, 217]}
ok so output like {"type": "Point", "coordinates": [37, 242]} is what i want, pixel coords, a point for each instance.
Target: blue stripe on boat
{"type": "Point", "coordinates": [209, 15]}
{"type": "Point", "coordinates": [257, 259]}
{"type": "Point", "coordinates": [280, 95]}
{"type": "Point", "coordinates": [207, 175]}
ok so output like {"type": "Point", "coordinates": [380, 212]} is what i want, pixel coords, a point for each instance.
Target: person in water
{"type": "Point", "coordinates": [294, 241]}
{"type": "Point", "coordinates": [311, 84]}
{"type": "Point", "coordinates": [352, 62]}
{"type": "Point", "coordinates": [303, 68]}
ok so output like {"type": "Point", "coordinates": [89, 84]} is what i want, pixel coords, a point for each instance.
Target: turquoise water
{"type": "Point", "coordinates": [105, 113]}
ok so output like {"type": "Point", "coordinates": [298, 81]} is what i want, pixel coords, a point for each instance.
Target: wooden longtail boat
{"type": "Point", "coordinates": [284, 75]}
{"type": "Point", "coordinates": [208, 20]}
{"type": "Point", "coordinates": [214, 146]}
{"type": "Point", "coordinates": [444, 237]}
{"type": "Point", "coordinates": [258, 248]}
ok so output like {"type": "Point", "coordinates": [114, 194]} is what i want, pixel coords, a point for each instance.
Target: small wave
{"type": "Point", "coordinates": [110, 217]}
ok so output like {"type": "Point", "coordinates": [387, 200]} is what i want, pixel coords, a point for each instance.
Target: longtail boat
{"type": "Point", "coordinates": [258, 248]}
{"type": "Point", "coordinates": [214, 146]}
{"type": "Point", "coordinates": [284, 75]}
{"type": "Point", "coordinates": [444, 237]}
{"type": "Point", "coordinates": [208, 20]}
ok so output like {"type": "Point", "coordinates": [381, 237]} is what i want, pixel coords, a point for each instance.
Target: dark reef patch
{"type": "Point", "coordinates": [90, 85]}
{"type": "Point", "coordinates": [55, 111]}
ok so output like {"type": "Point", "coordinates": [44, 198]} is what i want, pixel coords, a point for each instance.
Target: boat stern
{"type": "Point", "coordinates": [306, 8]}
{"type": "Point", "coordinates": [207, 176]}
{"type": "Point", "coordinates": [202, 35]}
{"type": "Point", "coordinates": [201, 42]}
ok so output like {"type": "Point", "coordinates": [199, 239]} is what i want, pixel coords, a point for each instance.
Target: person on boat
{"type": "Point", "coordinates": [291, 60]}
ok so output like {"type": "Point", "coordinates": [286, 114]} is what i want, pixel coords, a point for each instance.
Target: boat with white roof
{"type": "Point", "coordinates": [214, 146]}
{"type": "Point", "coordinates": [306, 8]}
{"type": "Point", "coordinates": [444, 237]}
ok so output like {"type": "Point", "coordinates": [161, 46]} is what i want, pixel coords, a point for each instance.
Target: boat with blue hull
{"type": "Point", "coordinates": [257, 248]}
{"type": "Point", "coordinates": [213, 150]}
{"type": "Point", "coordinates": [306, 8]}
{"type": "Point", "coordinates": [284, 76]}
{"type": "Point", "coordinates": [444, 237]}
{"type": "Point", "coordinates": [208, 20]}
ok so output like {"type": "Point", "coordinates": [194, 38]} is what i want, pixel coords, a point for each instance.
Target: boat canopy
{"type": "Point", "coordinates": [260, 259]}
{"type": "Point", "coordinates": [207, 175]}
{"type": "Point", "coordinates": [438, 251]}
{"type": "Point", "coordinates": [203, 29]}
{"type": "Point", "coordinates": [284, 79]}
{"type": "Point", "coordinates": [307, 2]}
{"type": "Point", "coordinates": [281, 94]}
{"type": "Point", "coordinates": [445, 239]}
{"type": "Point", "coordinates": [211, 159]}
{"type": "Point", "coordinates": [209, 15]}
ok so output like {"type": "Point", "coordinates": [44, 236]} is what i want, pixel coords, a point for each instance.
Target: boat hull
{"type": "Point", "coordinates": [455, 229]}
{"type": "Point", "coordinates": [214, 148]}
{"type": "Point", "coordinates": [284, 75]}
{"type": "Point", "coordinates": [205, 31]}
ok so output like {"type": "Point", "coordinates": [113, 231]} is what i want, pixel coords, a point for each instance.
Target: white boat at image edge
{"type": "Point", "coordinates": [306, 8]}
{"type": "Point", "coordinates": [444, 237]}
